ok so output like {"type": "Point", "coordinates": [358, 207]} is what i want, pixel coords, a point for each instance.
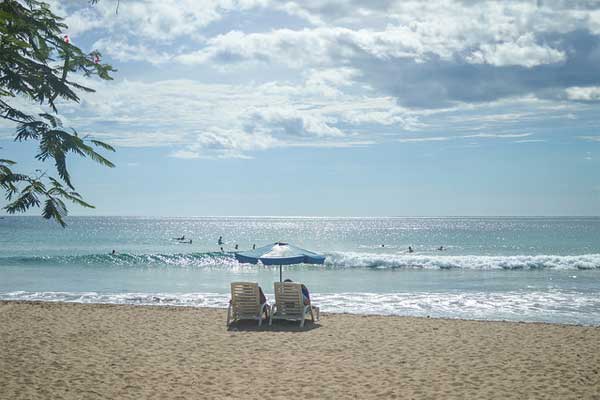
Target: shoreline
{"type": "Point", "coordinates": [73, 350]}
{"type": "Point", "coordinates": [358, 314]}
{"type": "Point", "coordinates": [330, 313]}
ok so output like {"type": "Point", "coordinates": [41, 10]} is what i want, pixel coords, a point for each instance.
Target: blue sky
{"type": "Point", "coordinates": [341, 108]}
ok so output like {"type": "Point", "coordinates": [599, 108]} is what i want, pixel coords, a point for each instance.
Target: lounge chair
{"type": "Point", "coordinates": [245, 303]}
{"type": "Point", "coordinates": [289, 304]}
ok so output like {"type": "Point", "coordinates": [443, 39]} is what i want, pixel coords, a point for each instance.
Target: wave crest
{"type": "Point", "coordinates": [333, 260]}
{"type": "Point", "coordinates": [390, 260]}
{"type": "Point", "coordinates": [126, 259]}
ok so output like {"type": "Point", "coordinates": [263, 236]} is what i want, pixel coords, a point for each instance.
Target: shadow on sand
{"type": "Point", "coordinates": [278, 326]}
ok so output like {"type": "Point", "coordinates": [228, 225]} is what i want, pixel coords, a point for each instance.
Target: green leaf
{"type": "Point", "coordinates": [55, 209]}
{"type": "Point", "coordinates": [105, 146]}
{"type": "Point", "coordinates": [36, 64]}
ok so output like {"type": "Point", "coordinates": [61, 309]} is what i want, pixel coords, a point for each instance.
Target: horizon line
{"type": "Point", "coordinates": [308, 216]}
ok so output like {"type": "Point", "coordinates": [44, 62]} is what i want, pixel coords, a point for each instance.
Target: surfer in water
{"type": "Point", "coordinates": [254, 246]}
{"type": "Point", "coordinates": [220, 241]}
{"type": "Point", "coordinates": [410, 249]}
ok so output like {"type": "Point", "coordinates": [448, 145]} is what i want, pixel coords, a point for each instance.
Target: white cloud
{"type": "Point", "coordinates": [522, 52]}
{"type": "Point", "coordinates": [425, 139]}
{"type": "Point", "coordinates": [491, 33]}
{"type": "Point", "coordinates": [336, 73]}
{"type": "Point", "coordinates": [498, 135]}
{"type": "Point", "coordinates": [156, 20]}
{"type": "Point", "coordinates": [293, 122]}
{"type": "Point", "coordinates": [219, 120]}
{"type": "Point", "coordinates": [589, 93]}
{"type": "Point", "coordinates": [474, 136]}
{"type": "Point", "coordinates": [123, 51]}
{"type": "Point", "coordinates": [529, 141]}
{"type": "Point", "coordinates": [185, 154]}
{"type": "Point", "coordinates": [590, 138]}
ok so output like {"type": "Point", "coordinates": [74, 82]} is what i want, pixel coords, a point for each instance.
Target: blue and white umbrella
{"type": "Point", "coordinates": [279, 254]}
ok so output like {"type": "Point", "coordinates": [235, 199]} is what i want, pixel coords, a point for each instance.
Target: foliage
{"type": "Point", "coordinates": [36, 62]}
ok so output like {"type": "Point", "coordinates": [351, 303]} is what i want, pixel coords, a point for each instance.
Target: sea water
{"type": "Point", "coordinates": [519, 269]}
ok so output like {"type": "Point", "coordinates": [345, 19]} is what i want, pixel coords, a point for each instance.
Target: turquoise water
{"type": "Point", "coordinates": [523, 269]}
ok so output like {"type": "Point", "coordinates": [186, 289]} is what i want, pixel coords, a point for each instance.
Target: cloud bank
{"type": "Point", "coordinates": [229, 78]}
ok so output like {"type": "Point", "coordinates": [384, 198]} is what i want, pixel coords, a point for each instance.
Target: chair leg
{"type": "Point", "coordinates": [312, 316]}
{"type": "Point", "coordinates": [302, 322]}
{"type": "Point", "coordinates": [228, 314]}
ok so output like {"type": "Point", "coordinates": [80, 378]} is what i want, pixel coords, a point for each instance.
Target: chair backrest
{"type": "Point", "coordinates": [288, 297]}
{"type": "Point", "coordinates": [245, 298]}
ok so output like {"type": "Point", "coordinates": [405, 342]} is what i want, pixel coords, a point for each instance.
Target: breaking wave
{"type": "Point", "coordinates": [562, 306]}
{"type": "Point", "coordinates": [126, 259]}
{"type": "Point", "coordinates": [410, 261]}
{"type": "Point", "coordinates": [333, 260]}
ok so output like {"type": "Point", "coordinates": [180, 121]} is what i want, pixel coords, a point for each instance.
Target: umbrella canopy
{"type": "Point", "coordinates": [279, 253]}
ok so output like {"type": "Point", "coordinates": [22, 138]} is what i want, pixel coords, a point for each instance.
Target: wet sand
{"type": "Point", "coordinates": [77, 351]}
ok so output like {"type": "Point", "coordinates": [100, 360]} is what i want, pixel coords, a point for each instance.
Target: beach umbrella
{"type": "Point", "coordinates": [281, 254]}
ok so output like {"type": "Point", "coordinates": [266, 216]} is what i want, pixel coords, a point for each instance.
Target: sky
{"type": "Point", "coordinates": [337, 108]}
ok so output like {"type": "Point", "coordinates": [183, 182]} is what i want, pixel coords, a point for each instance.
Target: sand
{"type": "Point", "coordinates": [76, 351]}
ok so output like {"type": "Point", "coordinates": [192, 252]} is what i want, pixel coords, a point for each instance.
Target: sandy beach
{"type": "Point", "coordinates": [76, 351]}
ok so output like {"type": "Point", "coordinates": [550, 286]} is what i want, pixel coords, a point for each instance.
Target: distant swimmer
{"type": "Point", "coordinates": [410, 249]}
{"type": "Point", "coordinates": [441, 248]}
{"type": "Point", "coordinates": [254, 247]}
{"type": "Point", "coordinates": [383, 245]}
{"type": "Point", "coordinates": [222, 251]}
{"type": "Point", "coordinates": [236, 246]}
{"type": "Point", "coordinates": [220, 241]}
{"type": "Point", "coordinates": [113, 252]}
{"type": "Point", "coordinates": [180, 238]}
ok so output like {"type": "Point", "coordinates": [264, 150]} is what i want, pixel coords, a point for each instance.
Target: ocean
{"type": "Point", "coordinates": [517, 269]}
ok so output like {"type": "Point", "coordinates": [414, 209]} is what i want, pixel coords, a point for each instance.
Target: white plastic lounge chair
{"type": "Point", "coordinates": [289, 304]}
{"type": "Point", "coordinates": [245, 303]}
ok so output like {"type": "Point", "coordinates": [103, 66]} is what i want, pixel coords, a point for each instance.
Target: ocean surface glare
{"type": "Point", "coordinates": [522, 269]}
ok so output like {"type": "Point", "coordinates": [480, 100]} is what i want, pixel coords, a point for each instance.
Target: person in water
{"type": "Point", "coordinates": [305, 293]}
{"type": "Point", "coordinates": [236, 246]}
{"type": "Point", "coordinates": [254, 246]}
{"type": "Point", "coordinates": [410, 249]}
{"type": "Point", "coordinates": [113, 252]}
{"type": "Point", "coordinates": [220, 241]}
{"type": "Point", "coordinates": [441, 248]}
{"type": "Point", "coordinates": [222, 251]}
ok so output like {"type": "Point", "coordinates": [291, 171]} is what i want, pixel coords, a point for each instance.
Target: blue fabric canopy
{"type": "Point", "coordinates": [279, 254]}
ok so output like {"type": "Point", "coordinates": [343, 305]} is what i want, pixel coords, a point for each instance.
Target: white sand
{"type": "Point", "coordinates": [74, 351]}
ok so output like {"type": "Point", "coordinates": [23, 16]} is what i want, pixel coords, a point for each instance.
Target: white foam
{"type": "Point", "coordinates": [554, 306]}
{"type": "Point", "coordinates": [399, 260]}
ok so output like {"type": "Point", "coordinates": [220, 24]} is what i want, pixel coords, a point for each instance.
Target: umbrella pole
{"type": "Point", "coordinates": [280, 275]}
